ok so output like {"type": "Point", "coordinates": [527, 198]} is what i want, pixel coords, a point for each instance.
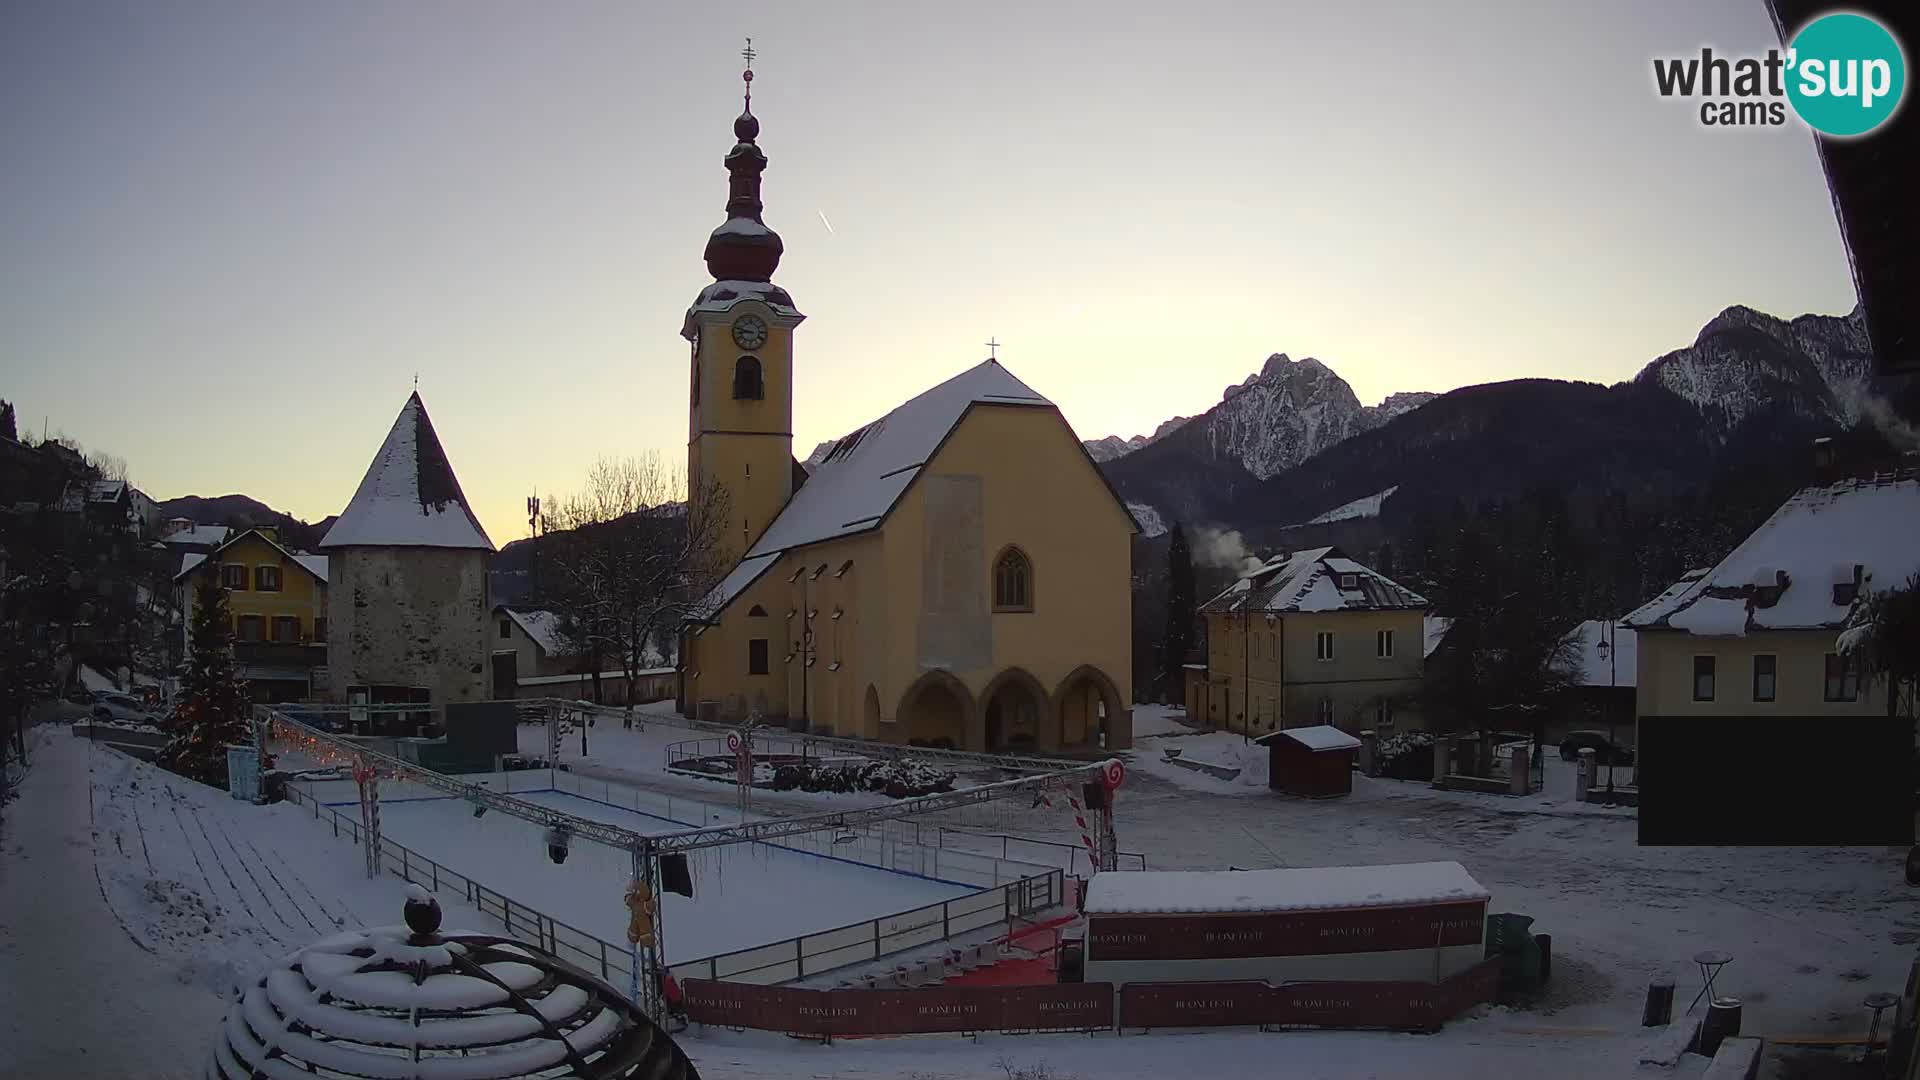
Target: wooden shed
{"type": "Point", "coordinates": [1316, 762]}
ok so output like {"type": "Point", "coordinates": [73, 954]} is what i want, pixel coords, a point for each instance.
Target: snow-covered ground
{"type": "Point", "coordinates": [729, 909]}
{"type": "Point", "coordinates": [131, 899]}
{"type": "Point", "coordinates": [193, 886]}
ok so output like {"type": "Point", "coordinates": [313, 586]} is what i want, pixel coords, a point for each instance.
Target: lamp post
{"type": "Point", "coordinates": [1607, 652]}
{"type": "Point", "coordinates": [1246, 665]}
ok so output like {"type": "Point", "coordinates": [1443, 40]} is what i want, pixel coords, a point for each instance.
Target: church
{"type": "Point", "coordinates": [954, 574]}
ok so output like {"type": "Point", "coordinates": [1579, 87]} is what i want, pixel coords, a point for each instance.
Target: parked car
{"type": "Point", "coordinates": [1604, 751]}
{"type": "Point", "coordinates": [108, 707]}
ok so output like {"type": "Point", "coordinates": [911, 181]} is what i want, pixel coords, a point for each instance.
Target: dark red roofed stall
{"type": "Point", "coordinates": [1315, 762]}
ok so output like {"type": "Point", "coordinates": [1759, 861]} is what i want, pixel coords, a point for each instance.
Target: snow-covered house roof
{"type": "Point", "coordinates": [312, 564]}
{"type": "Point", "coordinates": [1319, 888]}
{"type": "Point", "coordinates": [106, 491]}
{"type": "Point", "coordinates": [1435, 627]}
{"type": "Point", "coordinates": [1316, 737]}
{"type": "Point", "coordinates": [543, 628]}
{"type": "Point", "coordinates": [1318, 579]}
{"type": "Point", "coordinates": [409, 497]}
{"type": "Point", "coordinates": [196, 535]}
{"type": "Point", "coordinates": [862, 477]}
{"type": "Point", "coordinates": [1612, 666]}
{"type": "Point", "coordinates": [1799, 569]}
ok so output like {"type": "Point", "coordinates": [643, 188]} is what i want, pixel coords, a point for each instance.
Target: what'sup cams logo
{"type": "Point", "coordinates": [1843, 75]}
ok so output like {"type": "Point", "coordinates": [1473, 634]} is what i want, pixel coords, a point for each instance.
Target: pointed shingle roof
{"type": "Point", "coordinates": [409, 497]}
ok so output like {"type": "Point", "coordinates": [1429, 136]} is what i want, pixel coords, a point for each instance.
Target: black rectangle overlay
{"type": "Point", "coordinates": [1827, 781]}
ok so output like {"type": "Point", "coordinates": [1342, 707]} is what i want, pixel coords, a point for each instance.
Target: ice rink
{"type": "Point", "coordinates": [744, 894]}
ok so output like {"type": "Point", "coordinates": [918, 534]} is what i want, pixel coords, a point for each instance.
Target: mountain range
{"type": "Point", "coordinates": [1292, 445]}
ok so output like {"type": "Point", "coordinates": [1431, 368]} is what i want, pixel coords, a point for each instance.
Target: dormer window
{"type": "Point", "coordinates": [1349, 581]}
{"type": "Point", "coordinates": [747, 383]}
{"type": "Point", "coordinates": [1846, 585]}
{"type": "Point", "coordinates": [1768, 584]}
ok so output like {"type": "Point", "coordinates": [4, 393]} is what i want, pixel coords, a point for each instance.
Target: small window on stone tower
{"type": "Point", "coordinates": [1012, 581]}
{"type": "Point", "coordinates": [746, 379]}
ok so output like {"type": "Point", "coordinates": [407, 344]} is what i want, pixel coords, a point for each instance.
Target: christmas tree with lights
{"type": "Point", "coordinates": [212, 713]}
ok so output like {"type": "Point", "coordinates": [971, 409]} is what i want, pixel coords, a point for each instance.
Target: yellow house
{"type": "Point", "coordinates": [956, 573]}
{"type": "Point", "coordinates": [1313, 638]}
{"type": "Point", "coordinates": [279, 603]}
{"type": "Point", "coordinates": [1758, 634]}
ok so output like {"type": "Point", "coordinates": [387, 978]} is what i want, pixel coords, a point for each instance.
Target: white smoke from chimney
{"type": "Point", "coordinates": [1223, 549]}
{"type": "Point", "coordinates": [1879, 412]}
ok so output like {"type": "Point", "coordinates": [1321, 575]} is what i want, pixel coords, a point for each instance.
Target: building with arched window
{"type": "Point", "coordinates": [955, 573]}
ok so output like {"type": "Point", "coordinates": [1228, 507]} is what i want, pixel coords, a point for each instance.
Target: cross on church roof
{"type": "Point", "coordinates": [748, 54]}
{"type": "Point", "coordinates": [993, 349]}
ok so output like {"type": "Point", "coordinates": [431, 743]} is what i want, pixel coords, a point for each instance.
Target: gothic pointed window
{"type": "Point", "coordinates": [747, 383]}
{"type": "Point", "coordinates": [1012, 581]}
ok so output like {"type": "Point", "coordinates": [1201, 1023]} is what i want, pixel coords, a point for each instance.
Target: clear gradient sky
{"type": "Point", "coordinates": [232, 232]}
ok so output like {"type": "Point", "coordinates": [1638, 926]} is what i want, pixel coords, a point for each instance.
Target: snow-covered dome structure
{"type": "Point", "coordinates": [410, 1003]}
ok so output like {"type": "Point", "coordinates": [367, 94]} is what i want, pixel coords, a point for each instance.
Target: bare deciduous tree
{"type": "Point", "coordinates": [631, 556]}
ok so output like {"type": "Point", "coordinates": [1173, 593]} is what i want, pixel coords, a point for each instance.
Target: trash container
{"type": "Point", "coordinates": [1723, 1020]}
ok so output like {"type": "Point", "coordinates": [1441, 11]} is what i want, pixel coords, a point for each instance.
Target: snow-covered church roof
{"type": "Point", "coordinates": [1317, 579]}
{"type": "Point", "coordinates": [862, 476]}
{"type": "Point", "coordinates": [865, 473]}
{"type": "Point", "coordinates": [409, 497]}
{"type": "Point", "coordinates": [1783, 576]}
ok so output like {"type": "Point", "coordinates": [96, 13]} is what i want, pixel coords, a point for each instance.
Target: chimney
{"type": "Point", "coordinates": [1826, 460]}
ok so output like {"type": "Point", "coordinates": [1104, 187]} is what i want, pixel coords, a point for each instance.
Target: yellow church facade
{"type": "Point", "coordinates": [956, 573]}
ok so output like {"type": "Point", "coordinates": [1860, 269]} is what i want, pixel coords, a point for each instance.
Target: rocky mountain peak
{"type": "Point", "coordinates": [1275, 418]}
{"type": "Point", "coordinates": [1743, 361]}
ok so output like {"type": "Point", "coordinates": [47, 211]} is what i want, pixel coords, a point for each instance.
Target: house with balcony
{"type": "Point", "coordinates": [278, 599]}
{"type": "Point", "coordinates": [1314, 638]}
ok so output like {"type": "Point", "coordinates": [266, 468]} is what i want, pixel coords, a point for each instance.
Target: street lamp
{"type": "Point", "coordinates": [1608, 634]}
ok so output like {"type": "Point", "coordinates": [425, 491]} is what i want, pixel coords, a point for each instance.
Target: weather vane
{"type": "Point", "coordinates": [993, 349]}
{"type": "Point", "coordinates": [748, 54]}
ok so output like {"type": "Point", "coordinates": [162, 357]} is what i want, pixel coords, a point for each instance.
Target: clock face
{"type": "Point", "coordinates": [749, 332]}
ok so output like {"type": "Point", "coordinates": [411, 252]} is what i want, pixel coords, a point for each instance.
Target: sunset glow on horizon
{"type": "Point", "coordinates": [237, 233]}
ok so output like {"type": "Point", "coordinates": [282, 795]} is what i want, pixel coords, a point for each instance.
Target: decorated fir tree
{"type": "Point", "coordinates": [213, 707]}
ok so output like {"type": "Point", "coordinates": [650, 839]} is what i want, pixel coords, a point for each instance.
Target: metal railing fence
{"type": "Point", "coordinates": [1009, 890]}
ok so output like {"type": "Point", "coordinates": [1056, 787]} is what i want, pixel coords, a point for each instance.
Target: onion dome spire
{"type": "Point", "coordinates": [743, 248]}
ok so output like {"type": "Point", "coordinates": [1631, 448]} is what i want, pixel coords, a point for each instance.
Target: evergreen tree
{"type": "Point", "coordinates": [212, 713]}
{"type": "Point", "coordinates": [8, 430]}
{"type": "Point", "coordinates": [1177, 640]}
{"type": "Point", "coordinates": [1883, 637]}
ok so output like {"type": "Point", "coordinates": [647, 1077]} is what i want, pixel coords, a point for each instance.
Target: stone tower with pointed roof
{"type": "Point", "coordinates": [408, 597]}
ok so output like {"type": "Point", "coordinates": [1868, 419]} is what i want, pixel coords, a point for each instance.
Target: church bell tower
{"type": "Point", "coordinates": [740, 397]}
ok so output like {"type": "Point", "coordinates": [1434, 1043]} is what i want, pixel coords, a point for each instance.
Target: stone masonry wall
{"type": "Point", "coordinates": [409, 617]}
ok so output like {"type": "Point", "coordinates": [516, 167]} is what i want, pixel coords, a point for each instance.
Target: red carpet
{"type": "Point", "coordinates": [1042, 939]}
